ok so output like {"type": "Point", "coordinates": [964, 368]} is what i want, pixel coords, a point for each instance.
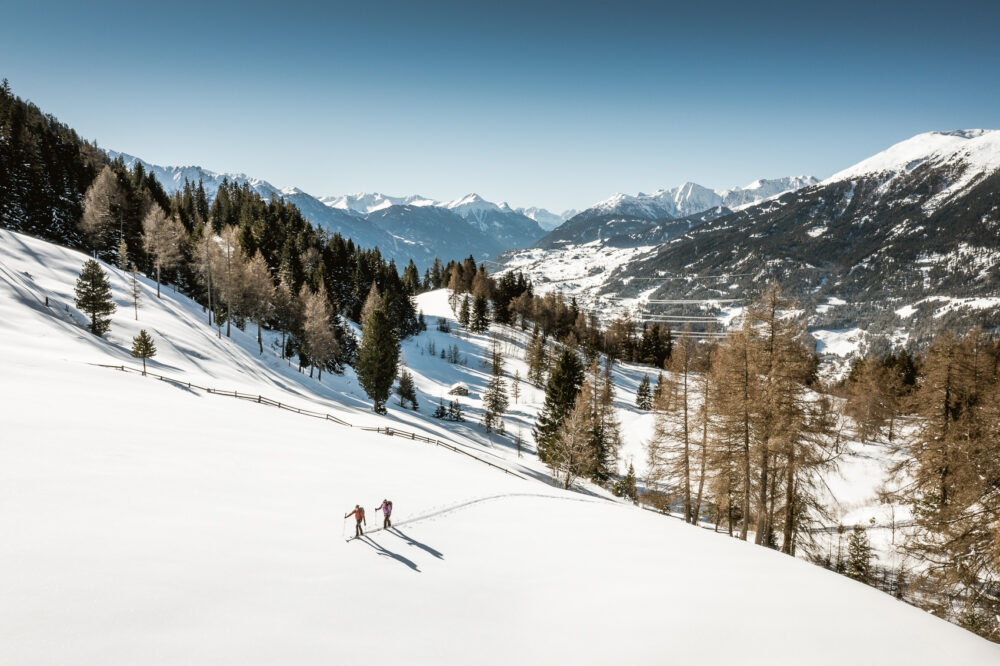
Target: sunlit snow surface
{"type": "Point", "coordinates": [145, 523]}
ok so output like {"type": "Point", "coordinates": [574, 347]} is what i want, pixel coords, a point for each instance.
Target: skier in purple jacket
{"type": "Point", "coordinates": [386, 509]}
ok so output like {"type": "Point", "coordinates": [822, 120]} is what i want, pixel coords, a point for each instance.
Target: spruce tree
{"type": "Point", "coordinates": [143, 347]}
{"type": "Point", "coordinates": [405, 389]}
{"type": "Point", "coordinates": [643, 397]}
{"type": "Point", "coordinates": [560, 395]}
{"type": "Point", "coordinates": [378, 358]}
{"type": "Point", "coordinates": [479, 319]}
{"type": "Point", "coordinates": [123, 262]}
{"type": "Point", "coordinates": [464, 312]}
{"type": "Point", "coordinates": [859, 555]}
{"type": "Point", "coordinates": [515, 386]}
{"type": "Point", "coordinates": [93, 297]}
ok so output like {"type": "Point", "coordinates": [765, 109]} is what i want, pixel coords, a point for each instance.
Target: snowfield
{"type": "Point", "coordinates": [148, 523]}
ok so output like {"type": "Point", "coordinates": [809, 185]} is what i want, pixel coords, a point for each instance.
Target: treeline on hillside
{"type": "Point", "coordinates": [478, 298]}
{"type": "Point", "coordinates": [242, 257]}
{"type": "Point", "coordinates": [44, 170]}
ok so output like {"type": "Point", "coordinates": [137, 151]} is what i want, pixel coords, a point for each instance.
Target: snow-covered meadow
{"type": "Point", "coordinates": [145, 522]}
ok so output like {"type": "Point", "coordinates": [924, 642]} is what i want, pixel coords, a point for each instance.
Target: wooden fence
{"type": "Point", "coordinates": [262, 400]}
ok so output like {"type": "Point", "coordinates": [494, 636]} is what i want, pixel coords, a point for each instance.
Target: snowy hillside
{"type": "Point", "coordinates": [975, 148]}
{"type": "Point", "coordinates": [148, 522]}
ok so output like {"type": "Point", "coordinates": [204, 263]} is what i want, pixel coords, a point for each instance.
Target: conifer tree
{"type": "Point", "coordinates": [405, 389]}
{"type": "Point", "coordinates": [317, 328]}
{"type": "Point", "coordinates": [259, 290]}
{"type": "Point", "coordinates": [284, 312]}
{"type": "Point", "coordinates": [162, 237]}
{"type": "Point", "coordinates": [859, 555]}
{"type": "Point", "coordinates": [440, 412]}
{"type": "Point", "coordinates": [570, 454]}
{"type": "Point", "coordinates": [495, 398]}
{"type": "Point", "coordinates": [143, 347]}
{"type": "Point", "coordinates": [560, 395]}
{"type": "Point", "coordinates": [135, 289]}
{"type": "Point", "coordinates": [464, 312]}
{"type": "Point", "coordinates": [626, 486]}
{"type": "Point", "coordinates": [229, 273]}
{"type": "Point", "coordinates": [670, 448]}
{"type": "Point", "coordinates": [372, 302]}
{"type": "Point", "coordinates": [93, 297]}
{"type": "Point", "coordinates": [102, 210]}
{"type": "Point", "coordinates": [537, 353]}
{"type": "Point", "coordinates": [515, 386]}
{"type": "Point", "coordinates": [455, 411]}
{"type": "Point", "coordinates": [378, 358]}
{"type": "Point", "coordinates": [207, 256]}
{"type": "Point", "coordinates": [643, 397]}
{"type": "Point", "coordinates": [123, 261]}
{"type": "Point", "coordinates": [479, 318]}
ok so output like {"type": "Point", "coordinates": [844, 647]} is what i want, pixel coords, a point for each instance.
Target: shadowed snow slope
{"type": "Point", "coordinates": [145, 523]}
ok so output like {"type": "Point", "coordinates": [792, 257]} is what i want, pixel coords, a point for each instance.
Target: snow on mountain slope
{"type": "Point", "coordinates": [146, 522]}
{"type": "Point", "coordinates": [691, 198]}
{"type": "Point", "coordinates": [363, 203]}
{"type": "Point", "coordinates": [546, 219]}
{"type": "Point", "coordinates": [976, 148]}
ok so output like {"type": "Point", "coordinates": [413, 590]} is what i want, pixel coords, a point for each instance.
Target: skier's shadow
{"type": "Point", "coordinates": [413, 542]}
{"type": "Point", "coordinates": [388, 553]}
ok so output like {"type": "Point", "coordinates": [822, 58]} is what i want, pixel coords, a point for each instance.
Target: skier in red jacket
{"type": "Point", "coordinates": [386, 508]}
{"type": "Point", "coordinates": [359, 516]}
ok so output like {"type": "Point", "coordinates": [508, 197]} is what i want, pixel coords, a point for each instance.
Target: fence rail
{"type": "Point", "coordinates": [263, 400]}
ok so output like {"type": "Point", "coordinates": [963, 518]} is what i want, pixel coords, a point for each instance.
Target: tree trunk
{"type": "Point", "coordinates": [260, 342]}
{"type": "Point", "coordinates": [704, 451]}
{"type": "Point", "coordinates": [229, 319]}
{"type": "Point", "coordinates": [761, 537]}
{"type": "Point", "coordinates": [688, 518]}
{"type": "Point", "coordinates": [786, 541]}
{"type": "Point", "coordinates": [157, 280]}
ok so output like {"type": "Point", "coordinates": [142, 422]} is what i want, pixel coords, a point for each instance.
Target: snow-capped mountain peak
{"type": "Point", "coordinates": [977, 148]}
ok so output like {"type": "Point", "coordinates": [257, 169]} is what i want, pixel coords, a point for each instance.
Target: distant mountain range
{"type": "Point", "coordinates": [417, 227]}
{"type": "Point", "coordinates": [401, 227]}
{"type": "Point", "coordinates": [898, 245]}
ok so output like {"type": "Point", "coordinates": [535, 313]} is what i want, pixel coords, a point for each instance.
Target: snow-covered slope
{"type": "Point", "coordinates": [976, 149]}
{"type": "Point", "coordinates": [146, 522]}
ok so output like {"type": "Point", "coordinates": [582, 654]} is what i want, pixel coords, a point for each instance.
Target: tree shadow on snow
{"type": "Point", "coordinates": [413, 542]}
{"type": "Point", "coordinates": [388, 553]}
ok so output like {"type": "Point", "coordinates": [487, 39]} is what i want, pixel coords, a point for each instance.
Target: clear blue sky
{"type": "Point", "coordinates": [550, 104]}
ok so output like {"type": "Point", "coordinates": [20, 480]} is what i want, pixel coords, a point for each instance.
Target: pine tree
{"type": "Point", "coordinates": [378, 358]}
{"type": "Point", "coordinates": [515, 386]}
{"type": "Point", "coordinates": [440, 412]}
{"type": "Point", "coordinates": [455, 411]}
{"type": "Point", "coordinates": [537, 353]}
{"type": "Point", "coordinates": [643, 397]}
{"type": "Point", "coordinates": [658, 389]}
{"type": "Point", "coordinates": [859, 555]}
{"type": "Point", "coordinates": [479, 319]}
{"type": "Point", "coordinates": [560, 395]}
{"type": "Point", "coordinates": [406, 390]}
{"type": "Point", "coordinates": [626, 487]}
{"type": "Point", "coordinates": [93, 297]}
{"type": "Point", "coordinates": [143, 347]}
{"type": "Point", "coordinates": [464, 312]}
{"type": "Point", "coordinates": [495, 398]}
